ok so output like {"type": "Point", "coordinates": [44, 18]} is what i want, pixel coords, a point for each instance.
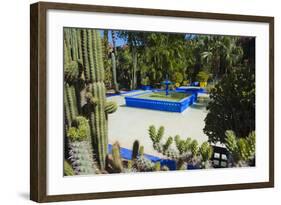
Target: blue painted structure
{"type": "Point", "coordinates": [163, 105]}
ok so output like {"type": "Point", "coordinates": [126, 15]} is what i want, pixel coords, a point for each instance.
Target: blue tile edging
{"type": "Point", "coordinates": [163, 105]}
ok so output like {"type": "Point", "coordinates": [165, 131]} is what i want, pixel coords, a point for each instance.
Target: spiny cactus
{"type": "Point", "coordinates": [110, 107]}
{"type": "Point", "coordinates": [70, 103]}
{"type": "Point", "coordinates": [182, 145]}
{"type": "Point", "coordinates": [67, 169]}
{"type": "Point", "coordinates": [135, 151]}
{"type": "Point", "coordinates": [117, 161]}
{"type": "Point", "coordinates": [241, 149]}
{"type": "Point", "coordinates": [187, 150]}
{"type": "Point", "coordinates": [194, 148]}
{"type": "Point", "coordinates": [206, 151]}
{"type": "Point", "coordinates": [80, 149]}
{"type": "Point", "coordinates": [84, 92]}
{"type": "Point", "coordinates": [96, 106]}
{"type": "Point", "coordinates": [143, 164]}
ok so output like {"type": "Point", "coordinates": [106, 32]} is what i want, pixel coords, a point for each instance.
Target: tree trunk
{"type": "Point", "coordinates": [134, 74]}
{"type": "Point", "coordinates": [116, 86]}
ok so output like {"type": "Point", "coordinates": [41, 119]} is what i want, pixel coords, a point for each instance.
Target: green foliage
{"type": "Point", "coordinates": [203, 76]}
{"type": "Point", "coordinates": [177, 77]}
{"type": "Point", "coordinates": [206, 151]}
{"type": "Point", "coordinates": [232, 105]}
{"type": "Point", "coordinates": [80, 129]}
{"type": "Point", "coordinates": [241, 149]}
{"type": "Point", "coordinates": [145, 81]}
{"type": "Point", "coordinates": [110, 107]}
{"type": "Point", "coordinates": [67, 169]}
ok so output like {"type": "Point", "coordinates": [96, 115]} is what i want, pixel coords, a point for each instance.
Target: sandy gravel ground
{"type": "Point", "coordinates": [128, 124]}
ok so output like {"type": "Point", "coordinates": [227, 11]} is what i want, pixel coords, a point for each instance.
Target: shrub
{"type": "Point", "coordinates": [145, 81]}
{"type": "Point", "coordinates": [203, 76]}
{"type": "Point", "coordinates": [232, 106]}
{"type": "Point", "coordinates": [177, 77]}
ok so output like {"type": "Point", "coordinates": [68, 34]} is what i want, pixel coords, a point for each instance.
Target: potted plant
{"type": "Point", "coordinates": [203, 77]}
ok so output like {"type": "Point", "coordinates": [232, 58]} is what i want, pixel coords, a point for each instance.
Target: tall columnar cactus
{"type": "Point", "coordinates": [84, 93]}
{"type": "Point", "coordinates": [135, 151]}
{"type": "Point", "coordinates": [116, 156]}
{"type": "Point", "coordinates": [98, 108]}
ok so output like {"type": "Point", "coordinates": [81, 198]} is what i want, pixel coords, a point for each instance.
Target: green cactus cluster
{"type": "Point", "coordinates": [241, 149]}
{"type": "Point", "coordinates": [187, 150]}
{"type": "Point", "coordinates": [206, 151]}
{"type": "Point", "coordinates": [84, 95]}
{"type": "Point", "coordinates": [143, 164]}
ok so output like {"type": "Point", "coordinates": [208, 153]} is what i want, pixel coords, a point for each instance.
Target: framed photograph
{"type": "Point", "coordinates": [135, 102]}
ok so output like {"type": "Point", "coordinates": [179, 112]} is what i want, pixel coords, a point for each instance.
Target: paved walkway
{"type": "Point", "coordinates": [128, 124]}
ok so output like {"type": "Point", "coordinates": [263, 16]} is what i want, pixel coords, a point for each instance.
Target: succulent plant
{"type": "Point", "coordinates": [110, 107]}
{"type": "Point", "coordinates": [241, 149]}
{"type": "Point", "coordinates": [143, 164]}
{"type": "Point", "coordinates": [135, 151]}
{"type": "Point", "coordinates": [67, 169]}
{"type": "Point", "coordinates": [206, 151]}
{"type": "Point", "coordinates": [117, 160]}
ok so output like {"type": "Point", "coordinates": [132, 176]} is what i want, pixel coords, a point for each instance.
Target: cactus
{"type": "Point", "coordinates": [206, 151]}
{"type": "Point", "coordinates": [96, 106]}
{"type": "Point", "coordinates": [187, 150]}
{"type": "Point", "coordinates": [84, 94]}
{"type": "Point", "coordinates": [135, 151]}
{"type": "Point", "coordinates": [241, 149]}
{"type": "Point", "coordinates": [117, 161]}
{"type": "Point", "coordinates": [157, 166]}
{"type": "Point", "coordinates": [194, 148]}
{"type": "Point", "coordinates": [182, 145]}
{"type": "Point", "coordinates": [80, 149]}
{"type": "Point", "coordinates": [70, 103]}
{"type": "Point", "coordinates": [67, 169]}
{"type": "Point", "coordinates": [110, 107]}
{"type": "Point", "coordinates": [143, 164]}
